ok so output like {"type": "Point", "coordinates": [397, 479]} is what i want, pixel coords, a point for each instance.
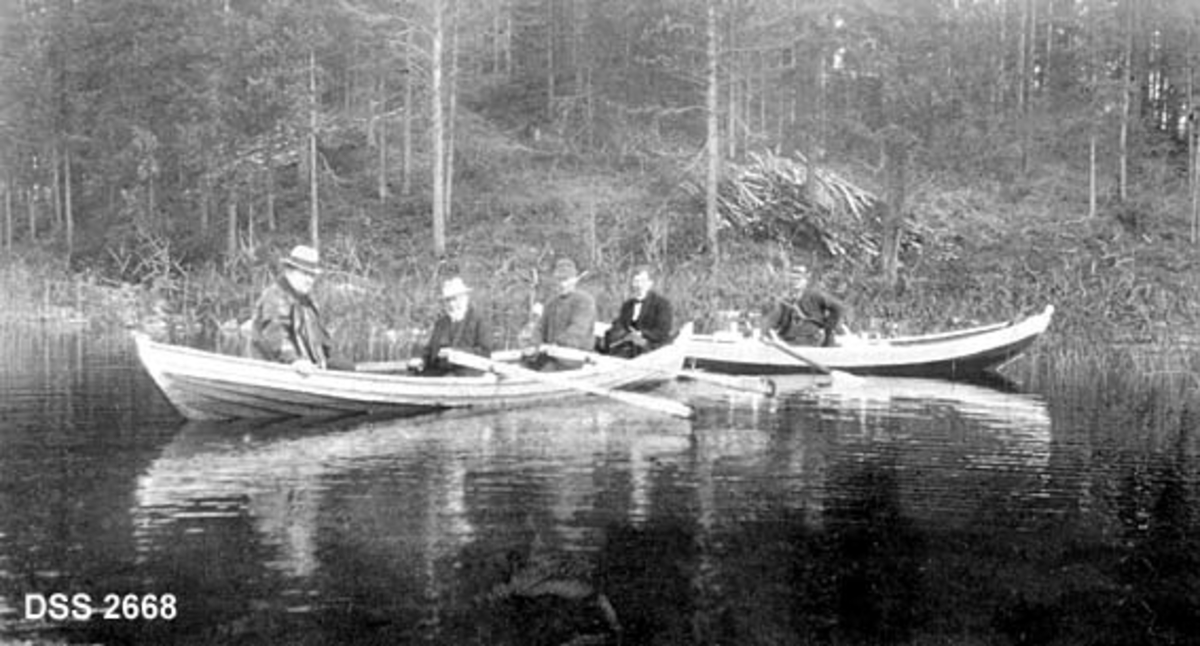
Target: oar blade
{"type": "Point", "coordinates": [845, 379]}
{"type": "Point", "coordinates": [757, 385]}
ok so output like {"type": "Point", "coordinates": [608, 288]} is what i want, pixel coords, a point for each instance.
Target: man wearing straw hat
{"type": "Point", "coordinates": [287, 327]}
{"type": "Point", "coordinates": [808, 317]}
{"type": "Point", "coordinates": [459, 327]}
{"type": "Point", "coordinates": [569, 320]}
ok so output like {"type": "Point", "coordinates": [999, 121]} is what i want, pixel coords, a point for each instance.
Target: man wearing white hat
{"type": "Point", "coordinates": [287, 327]}
{"type": "Point", "coordinates": [459, 327]}
{"type": "Point", "coordinates": [808, 317]}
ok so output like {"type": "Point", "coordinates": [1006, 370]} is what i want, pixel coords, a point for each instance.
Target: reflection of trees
{"type": "Point", "coordinates": [1161, 572]}
{"type": "Point", "coordinates": [63, 379]}
{"type": "Point", "coordinates": [855, 577]}
{"type": "Point", "coordinates": [878, 556]}
{"type": "Point", "coordinates": [808, 524]}
{"type": "Point", "coordinates": [647, 571]}
{"type": "Point", "coordinates": [68, 401]}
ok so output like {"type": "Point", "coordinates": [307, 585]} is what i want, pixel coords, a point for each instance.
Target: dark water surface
{"type": "Point", "coordinates": [900, 511]}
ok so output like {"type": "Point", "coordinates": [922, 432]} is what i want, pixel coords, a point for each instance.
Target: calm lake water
{"type": "Point", "coordinates": [896, 512]}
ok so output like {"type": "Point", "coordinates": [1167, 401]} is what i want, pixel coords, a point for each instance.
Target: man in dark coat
{"type": "Point", "coordinates": [569, 320]}
{"type": "Point", "coordinates": [809, 317]}
{"type": "Point", "coordinates": [644, 322]}
{"type": "Point", "coordinates": [459, 327]}
{"type": "Point", "coordinates": [287, 327]}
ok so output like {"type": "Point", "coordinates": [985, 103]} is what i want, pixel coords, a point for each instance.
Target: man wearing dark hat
{"type": "Point", "coordinates": [569, 319]}
{"type": "Point", "coordinates": [644, 322]}
{"type": "Point", "coordinates": [459, 326]}
{"type": "Point", "coordinates": [287, 327]}
{"type": "Point", "coordinates": [808, 317]}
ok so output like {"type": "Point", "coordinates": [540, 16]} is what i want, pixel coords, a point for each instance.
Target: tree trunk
{"type": "Point", "coordinates": [550, 61]}
{"type": "Point", "coordinates": [497, 11]}
{"type": "Point", "coordinates": [999, 93]}
{"type": "Point", "coordinates": [763, 96]}
{"type": "Point", "coordinates": [439, 138]}
{"type": "Point", "coordinates": [452, 88]}
{"type": "Point", "coordinates": [508, 42]}
{"type": "Point", "coordinates": [8, 216]}
{"type": "Point", "coordinates": [151, 199]}
{"type": "Point", "coordinates": [68, 214]}
{"type": "Point", "coordinates": [1126, 104]}
{"type": "Point", "coordinates": [1195, 188]}
{"type": "Point", "coordinates": [1193, 130]}
{"type": "Point", "coordinates": [896, 148]}
{"type": "Point", "coordinates": [731, 109]}
{"type": "Point", "coordinates": [1093, 189]}
{"type": "Point", "coordinates": [406, 123]}
{"type": "Point", "coordinates": [56, 189]}
{"type": "Point", "coordinates": [381, 140]}
{"type": "Point", "coordinates": [30, 204]}
{"type": "Point", "coordinates": [1022, 59]}
{"type": "Point", "coordinates": [314, 222]}
{"type": "Point", "coordinates": [578, 34]}
{"type": "Point", "coordinates": [1028, 40]}
{"type": "Point", "coordinates": [271, 221]}
{"type": "Point", "coordinates": [205, 197]}
{"type": "Point", "coordinates": [714, 139]}
{"type": "Point", "coordinates": [231, 226]}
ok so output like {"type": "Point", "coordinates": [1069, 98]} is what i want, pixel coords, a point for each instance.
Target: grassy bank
{"type": "Point", "coordinates": [982, 258]}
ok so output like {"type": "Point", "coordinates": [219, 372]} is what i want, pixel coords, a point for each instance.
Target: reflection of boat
{"type": "Point", "coordinates": [206, 385]}
{"type": "Point", "coordinates": [957, 354]}
{"type": "Point", "coordinates": [284, 475]}
{"type": "Point", "coordinates": [991, 407]}
{"type": "Point", "coordinates": [944, 427]}
{"type": "Point", "coordinates": [404, 514]}
{"type": "Point", "coordinates": [945, 454]}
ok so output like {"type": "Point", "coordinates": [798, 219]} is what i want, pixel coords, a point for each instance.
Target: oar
{"type": "Point", "coordinates": [402, 365]}
{"type": "Point", "coordinates": [758, 385]}
{"type": "Point", "coordinates": [772, 339]}
{"type": "Point", "coordinates": [558, 380]}
{"type": "Point", "coordinates": [381, 366]}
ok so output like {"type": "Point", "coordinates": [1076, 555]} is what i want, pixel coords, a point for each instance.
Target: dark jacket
{"type": "Point", "coordinates": [569, 321]}
{"type": "Point", "coordinates": [287, 327]}
{"type": "Point", "coordinates": [655, 322]}
{"type": "Point", "coordinates": [471, 334]}
{"type": "Point", "coordinates": [811, 319]}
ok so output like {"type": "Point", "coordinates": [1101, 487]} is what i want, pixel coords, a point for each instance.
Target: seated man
{"type": "Point", "coordinates": [286, 326]}
{"type": "Point", "coordinates": [569, 320]}
{"type": "Point", "coordinates": [644, 322]}
{"type": "Point", "coordinates": [808, 317]}
{"type": "Point", "coordinates": [460, 327]}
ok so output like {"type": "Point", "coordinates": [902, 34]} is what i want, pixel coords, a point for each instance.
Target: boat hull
{"type": "Point", "coordinates": [962, 354]}
{"type": "Point", "coordinates": [210, 386]}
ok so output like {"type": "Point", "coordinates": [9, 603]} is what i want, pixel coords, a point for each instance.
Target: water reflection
{"type": "Point", "coordinates": [457, 508]}
{"type": "Point", "coordinates": [902, 511]}
{"type": "Point", "coordinates": [420, 517]}
{"type": "Point", "coordinates": [278, 475]}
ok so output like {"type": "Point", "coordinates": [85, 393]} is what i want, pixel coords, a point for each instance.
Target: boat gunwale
{"type": "Point", "coordinates": [176, 368]}
{"type": "Point", "coordinates": [938, 353]}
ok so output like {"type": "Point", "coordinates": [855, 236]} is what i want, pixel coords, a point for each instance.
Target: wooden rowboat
{"type": "Point", "coordinates": [958, 354]}
{"type": "Point", "coordinates": [206, 385]}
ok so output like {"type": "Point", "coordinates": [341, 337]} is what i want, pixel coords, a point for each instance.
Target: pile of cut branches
{"type": "Point", "coordinates": [778, 198]}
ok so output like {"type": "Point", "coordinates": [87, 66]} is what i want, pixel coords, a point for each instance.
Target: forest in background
{"type": "Point", "coordinates": [143, 139]}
